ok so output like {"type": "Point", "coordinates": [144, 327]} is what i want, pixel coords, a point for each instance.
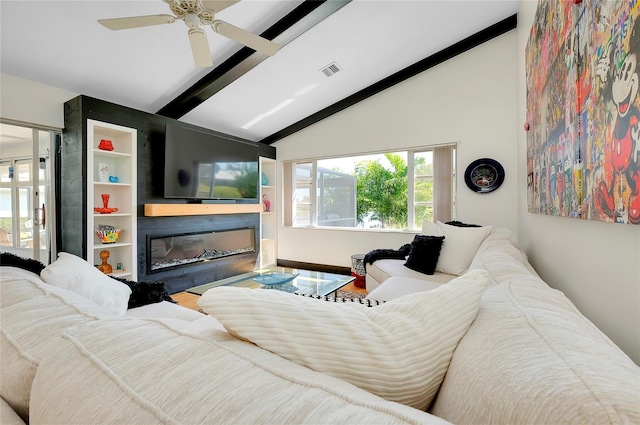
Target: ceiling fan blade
{"type": "Point", "coordinates": [247, 38]}
{"type": "Point", "coordinates": [215, 6]}
{"type": "Point", "coordinates": [136, 21]}
{"type": "Point", "coordinates": [200, 48]}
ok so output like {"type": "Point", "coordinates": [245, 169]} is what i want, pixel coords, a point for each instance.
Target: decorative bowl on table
{"type": "Point", "coordinates": [275, 278]}
{"type": "Point", "coordinates": [108, 235]}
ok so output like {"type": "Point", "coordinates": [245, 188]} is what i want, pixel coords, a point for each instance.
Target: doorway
{"type": "Point", "coordinates": [26, 190]}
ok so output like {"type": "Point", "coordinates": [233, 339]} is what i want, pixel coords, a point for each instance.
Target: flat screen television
{"type": "Point", "coordinates": [203, 166]}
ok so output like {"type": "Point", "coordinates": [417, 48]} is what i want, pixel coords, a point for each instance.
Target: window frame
{"type": "Point", "coordinates": [290, 185]}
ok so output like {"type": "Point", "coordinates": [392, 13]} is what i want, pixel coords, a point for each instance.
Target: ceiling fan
{"type": "Point", "coordinates": [197, 13]}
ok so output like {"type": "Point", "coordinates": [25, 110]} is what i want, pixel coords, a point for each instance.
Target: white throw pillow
{"type": "Point", "coordinates": [459, 247]}
{"type": "Point", "coordinates": [399, 350]}
{"type": "Point", "coordinates": [75, 274]}
{"type": "Point", "coordinates": [429, 228]}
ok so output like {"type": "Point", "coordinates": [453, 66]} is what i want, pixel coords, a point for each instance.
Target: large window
{"type": "Point", "coordinates": [395, 190]}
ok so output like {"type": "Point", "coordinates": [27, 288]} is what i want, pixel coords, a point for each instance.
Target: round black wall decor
{"type": "Point", "coordinates": [484, 175]}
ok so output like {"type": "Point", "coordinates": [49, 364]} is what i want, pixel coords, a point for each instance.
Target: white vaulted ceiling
{"type": "Point", "coordinates": [60, 43]}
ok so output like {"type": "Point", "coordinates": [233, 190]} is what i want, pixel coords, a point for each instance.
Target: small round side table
{"type": "Point", "coordinates": [357, 270]}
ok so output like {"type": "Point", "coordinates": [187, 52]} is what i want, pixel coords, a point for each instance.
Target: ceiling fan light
{"type": "Point", "coordinates": [192, 21]}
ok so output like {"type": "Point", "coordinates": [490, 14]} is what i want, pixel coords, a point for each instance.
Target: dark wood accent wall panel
{"type": "Point", "coordinates": [72, 208]}
{"type": "Point", "coordinates": [180, 278]}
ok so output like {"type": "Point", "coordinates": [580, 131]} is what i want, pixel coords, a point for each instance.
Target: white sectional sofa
{"type": "Point", "coordinates": [399, 280]}
{"type": "Point", "coordinates": [525, 356]}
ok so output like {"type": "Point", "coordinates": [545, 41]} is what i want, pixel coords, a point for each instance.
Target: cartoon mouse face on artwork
{"type": "Point", "coordinates": [625, 85]}
{"type": "Point", "coordinates": [624, 91]}
{"type": "Point", "coordinates": [619, 193]}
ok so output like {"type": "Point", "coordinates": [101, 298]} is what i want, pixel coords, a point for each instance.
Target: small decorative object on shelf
{"type": "Point", "coordinates": [107, 233]}
{"type": "Point", "coordinates": [266, 203]}
{"type": "Point", "coordinates": [105, 267]}
{"type": "Point", "coordinates": [265, 180]}
{"type": "Point", "coordinates": [105, 205]}
{"type": "Point", "coordinates": [103, 172]}
{"type": "Point", "coordinates": [105, 145]}
{"type": "Point", "coordinates": [113, 179]}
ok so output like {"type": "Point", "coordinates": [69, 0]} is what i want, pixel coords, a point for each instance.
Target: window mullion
{"type": "Point", "coordinates": [411, 209]}
{"type": "Point", "coordinates": [314, 193]}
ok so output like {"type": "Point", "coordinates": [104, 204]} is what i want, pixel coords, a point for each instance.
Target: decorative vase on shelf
{"type": "Point", "coordinates": [105, 209]}
{"type": "Point", "coordinates": [265, 180]}
{"type": "Point", "coordinates": [266, 203]}
{"type": "Point", "coordinates": [105, 145]}
{"type": "Point", "coordinates": [105, 267]}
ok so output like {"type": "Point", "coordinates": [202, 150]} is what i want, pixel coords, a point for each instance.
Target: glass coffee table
{"type": "Point", "coordinates": [306, 282]}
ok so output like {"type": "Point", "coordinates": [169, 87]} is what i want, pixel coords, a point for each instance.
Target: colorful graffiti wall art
{"type": "Point", "coordinates": [583, 110]}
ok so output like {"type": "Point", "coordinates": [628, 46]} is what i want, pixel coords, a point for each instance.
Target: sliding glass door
{"type": "Point", "coordinates": [26, 201]}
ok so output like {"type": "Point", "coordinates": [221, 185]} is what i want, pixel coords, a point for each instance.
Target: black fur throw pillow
{"type": "Point", "coordinates": [424, 254]}
{"type": "Point", "coordinates": [8, 259]}
{"type": "Point", "coordinates": [143, 293]}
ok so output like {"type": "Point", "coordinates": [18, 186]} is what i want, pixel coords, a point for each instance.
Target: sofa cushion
{"type": "Point", "coordinates": [75, 274]}
{"type": "Point", "coordinates": [382, 270]}
{"type": "Point", "coordinates": [399, 350]}
{"type": "Point", "coordinates": [424, 253]}
{"type": "Point", "coordinates": [531, 357]}
{"type": "Point", "coordinates": [459, 247]}
{"type": "Point", "coordinates": [131, 371]}
{"type": "Point", "coordinates": [34, 315]}
{"type": "Point", "coordinates": [396, 287]}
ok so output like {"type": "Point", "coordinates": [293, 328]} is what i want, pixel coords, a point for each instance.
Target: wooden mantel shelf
{"type": "Point", "coordinates": [164, 210]}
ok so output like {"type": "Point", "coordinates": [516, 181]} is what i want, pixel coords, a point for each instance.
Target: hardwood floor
{"type": "Point", "coordinates": [351, 287]}
{"type": "Point", "coordinates": [185, 299]}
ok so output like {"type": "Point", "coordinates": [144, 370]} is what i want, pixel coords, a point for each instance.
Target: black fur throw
{"type": "Point", "coordinates": [8, 259]}
{"type": "Point", "coordinates": [379, 254]}
{"type": "Point", "coordinates": [461, 224]}
{"type": "Point", "coordinates": [143, 293]}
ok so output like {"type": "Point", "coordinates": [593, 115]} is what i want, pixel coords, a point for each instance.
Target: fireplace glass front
{"type": "Point", "coordinates": [178, 250]}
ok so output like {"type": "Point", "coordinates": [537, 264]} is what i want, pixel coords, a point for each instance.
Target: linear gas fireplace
{"type": "Point", "coordinates": [170, 251]}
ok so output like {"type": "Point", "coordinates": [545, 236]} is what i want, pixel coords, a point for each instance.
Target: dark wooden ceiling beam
{"type": "Point", "coordinates": [462, 46]}
{"type": "Point", "coordinates": [287, 29]}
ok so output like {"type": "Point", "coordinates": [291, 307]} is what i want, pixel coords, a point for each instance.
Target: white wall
{"type": "Point", "coordinates": [596, 264]}
{"type": "Point", "coordinates": [31, 102]}
{"type": "Point", "coordinates": [470, 100]}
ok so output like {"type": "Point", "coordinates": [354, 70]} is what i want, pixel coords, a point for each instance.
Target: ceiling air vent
{"type": "Point", "coordinates": [331, 69]}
